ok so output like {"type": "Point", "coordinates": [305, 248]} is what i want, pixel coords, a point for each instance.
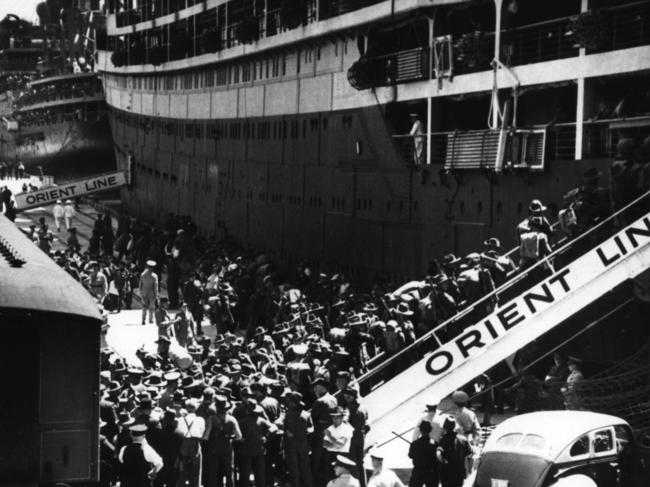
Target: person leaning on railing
{"type": "Point", "coordinates": [627, 173]}
{"type": "Point", "coordinates": [585, 205]}
{"type": "Point", "coordinates": [535, 235]}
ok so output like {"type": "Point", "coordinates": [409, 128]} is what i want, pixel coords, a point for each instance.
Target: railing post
{"type": "Point", "coordinates": [580, 105]}
{"type": "Point", "coordinates": [498, 4]}
{"type": "Point", "coordinates": [429, 99]}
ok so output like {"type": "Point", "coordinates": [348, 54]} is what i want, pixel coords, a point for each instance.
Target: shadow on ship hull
{"type": "Point", "coordinates": [74, 164]}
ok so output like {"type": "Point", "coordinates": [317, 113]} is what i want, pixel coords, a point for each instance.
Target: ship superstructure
{"type": "Point", "coordinates": [57, 118]}
{"type": "Point", "coordinates": [291, 125]}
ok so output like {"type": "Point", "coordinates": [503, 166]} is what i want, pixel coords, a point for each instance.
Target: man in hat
{"type": "Point", "coordinates": [454, 453]}
{"type": "Point", "coordinates": [255, 429]}
{"type": "Point", "coordinates": [163, 343]}
{"type": "Point", "coordinates": [534, 242]}
{"type": "Point", "coordinates": [584, 206]}
{"type": "Point", "coordinates": [142, 411]}
{"type": "Point", "coordinates": [430, 416]}
{"type": "Point", "coordinates": [68, 214]}
{"type": "Point", "coordinates": [171, 379]}
{"type": "Point", "coordinates": [221, 430]}
{"type": "Point", "coordinates": [139, 462]}
{"type": "Point", "coordinates": [192, 427]}
{"type": "Point", "coordinates": [271, 407]}
{"type": "Point", "coordinates": [417, 132]}
{"type": "Point", "coordinates": [496, 262]}
{"type": "Point", "coordinates": [184, 326]}
{"type": "Point", "coordinates": [572, 400]}
{"type": "Point", "coordinates": [324, 405]}
{"type": "Point", "coordinates": [297, 426]}
{"type": "Point", "coordinates": [343, 468]}
{"type": "Point", "coordinates": [57, 213]}
{"type": "Point", "coordinates": [167, 441]}
{"type": "Point", "coordinates": [148, 288]}
{"type": "Point", "coordinates": [97, 282]}
{"type": "Point", "coordinates": [338, 436]}
{"type": "Point", "coordinates": [72, 241]}
{"type": "Point", "coordinates": [626, 174]}
{"type": "Point", "coordinates": [423, 454]}
{"type": "Point", "coordinates": [358, 419]}
{"type": "Point", "coordinates": [465, 418]}
{"type": "Point", "coordinates": [164, 321]}
{"type": "Point", "coordinates": [536, 210]}
{"type": "Point", "coordinates": [299, 369]}
{"type": "Point", "coordinates": [382, 477]}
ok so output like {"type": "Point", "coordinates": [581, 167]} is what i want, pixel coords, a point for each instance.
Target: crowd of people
{"type": "Point", "coordinates": [58, 91]}
{"type": "Point", "coordinates": [275, 393]}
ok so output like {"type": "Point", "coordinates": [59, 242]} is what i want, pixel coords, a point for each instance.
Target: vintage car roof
{"type": "Point", "coordinates": [39, 284]}
{"type": "Point", "coordinates": [558, 428]}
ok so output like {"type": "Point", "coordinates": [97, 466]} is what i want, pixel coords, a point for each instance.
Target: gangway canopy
{"type": "Point", "coordinates": [513, 325]}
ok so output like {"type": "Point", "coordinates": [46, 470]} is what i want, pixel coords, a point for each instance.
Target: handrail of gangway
{"type": "Point", "coordinates": [495, 294]}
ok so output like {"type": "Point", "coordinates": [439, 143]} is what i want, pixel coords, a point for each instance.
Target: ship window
{"type": "Point", "coordinates": [499, 207]}
{"type": "Point", "coordinates": [479, 208]}
{"type": "Point", "coordinates": [415, 206]}
{"type": "Point", "coordinates": [304, 129]}
{"type": "Point", "coordinates": [519, 208]}
{"type": "Point", "coordinates": [462, 207]}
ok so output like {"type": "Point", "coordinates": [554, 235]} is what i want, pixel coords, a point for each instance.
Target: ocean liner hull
{"type": "Point", "coordinates": [337, 193]}
{"type": "Point", "coordinates": [299, 143]}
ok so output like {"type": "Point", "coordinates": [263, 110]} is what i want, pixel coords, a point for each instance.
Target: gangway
{"type": "Point", "coordinates": [530, 304]}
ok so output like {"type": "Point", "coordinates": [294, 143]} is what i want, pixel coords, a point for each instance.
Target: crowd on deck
{"type": "Point", "coordinates": [275, 393]}
{"type": "Point", "coordinates": [58, 91]}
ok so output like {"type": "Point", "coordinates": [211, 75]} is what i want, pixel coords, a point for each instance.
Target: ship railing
{"type": "Point", "coordinates": [314, 10]}
{"type": "Point", "coordinates": [476, 149]}
{"type": "Point", "coordinates": [446, 331]}
{"type": "Point", "coordinates": [618, 27]}
{"type": "Point", "coordinates": [600, 137]}
{"type": "Point", "coordinates": [333, 8]}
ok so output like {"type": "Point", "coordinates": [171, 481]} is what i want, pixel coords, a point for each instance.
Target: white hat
{"type": "Point", "coordinates": [58, 202]}
{"type": "Point", "coordinates": [151, 263]}
{"type": "Point", "coordinates": [376, 454]}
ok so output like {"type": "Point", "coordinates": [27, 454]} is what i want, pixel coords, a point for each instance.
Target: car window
{"type": "Point", "coordinates": [510, 440]}
{"type": "Point", "coordinates": [623, 438]}
{"type": "Point", "coordinates": [580, 447]}
{"type": "Point", "coordinates": [533, 442]}
{"type": "Point", "coordinates": [603, 441]}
